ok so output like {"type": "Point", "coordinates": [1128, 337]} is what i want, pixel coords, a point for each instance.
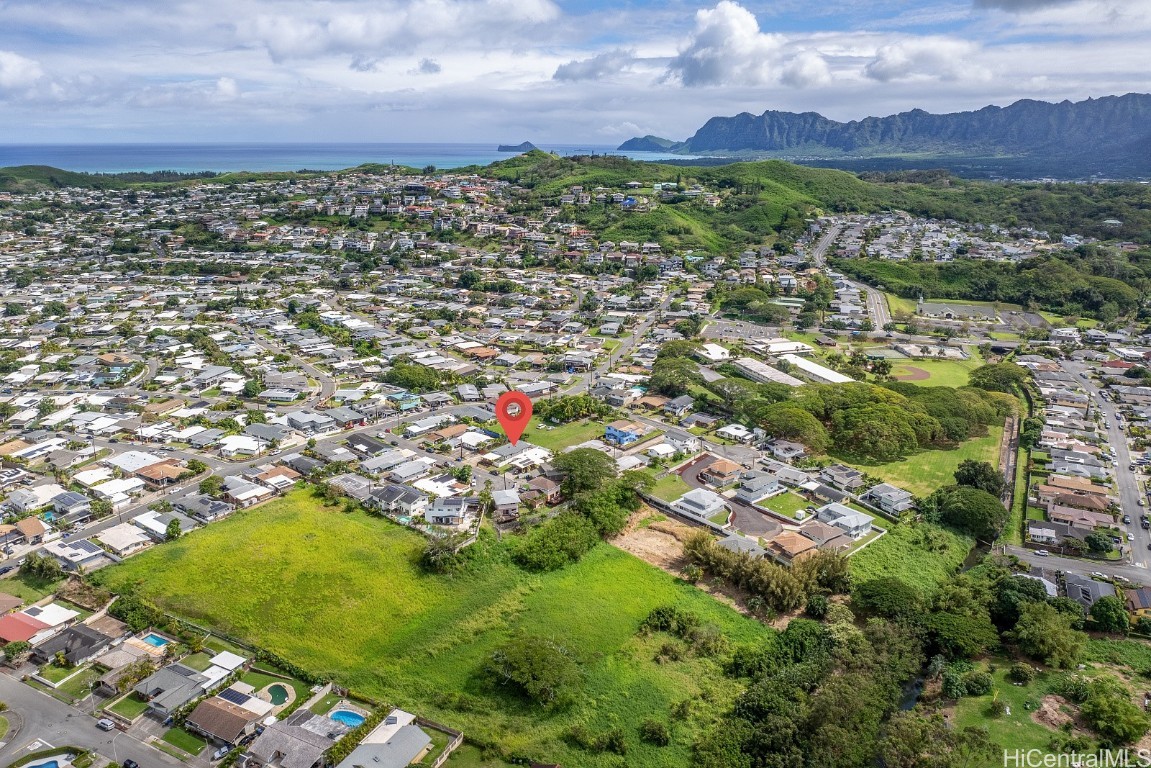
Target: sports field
{"type": "Point", "coordinates": [342, 594]}
{"type": "Point", "coordinates": [935, 373]}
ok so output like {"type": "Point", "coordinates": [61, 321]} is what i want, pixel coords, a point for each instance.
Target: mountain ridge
{"type": "Point", "coordinates": [1114, 130]}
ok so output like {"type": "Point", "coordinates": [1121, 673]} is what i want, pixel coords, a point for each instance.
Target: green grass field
{"type": "Point", "coordinates": [341, 594]}
{"type": "Point", "coordinates": [922, 554]}
{"type": "Point", "coordinates": [899, 304]}
{"type": "Point", "coordinates": [1016, 730]}
{"type": "Point", "coordinates": [564, 435]}
{"type": "Point", "coordinates": [940, 373]}
{"type": "Point", "coordinates": [924, 472]}
{"type": "Point", "coordinates": [670, 488]}
{"type": "Point", "coordinates": [786, 504]}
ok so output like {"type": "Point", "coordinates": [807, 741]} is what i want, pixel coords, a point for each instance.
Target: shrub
{"type": "Point", "coordinates": [817, 606]}
{"type": "Point", "coordinates": [978, 683]}
{"type": "Point", "coordinates": [1021, 672]}
{"type": "Point", "coordinates": [655, 732]}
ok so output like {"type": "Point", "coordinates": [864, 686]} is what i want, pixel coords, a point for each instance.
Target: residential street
{"type": "Point", "coordinates": [49, 720]}
{"type": "Point", "coordinates": [1129, 492]}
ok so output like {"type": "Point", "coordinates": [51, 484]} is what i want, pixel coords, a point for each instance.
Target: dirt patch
{"type": "Point", "coordinates": [84, 595]}
{"type": "Point", "coordinates": [911, 373]}
{"type": "Point", "coordinates": [1050, 712]}
{"type": "Point", "coordinates": [660, 543]}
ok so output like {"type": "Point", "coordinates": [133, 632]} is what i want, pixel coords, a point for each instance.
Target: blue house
{"type": "Point", "coordinates": [624, 432]}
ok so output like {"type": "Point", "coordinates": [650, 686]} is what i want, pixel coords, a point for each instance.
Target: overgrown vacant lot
{"type": "Point", "coordinates": [924, 472]}
{"type": "Point", "coordinates": [342, 594]}
{"type": "Point", "coordinates": [921, 554]}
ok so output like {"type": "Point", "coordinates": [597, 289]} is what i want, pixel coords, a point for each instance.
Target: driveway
{"type": "Point", "coordinates": [745, 518]}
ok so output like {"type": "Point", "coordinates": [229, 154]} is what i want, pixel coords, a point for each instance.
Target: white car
{"type": "Point", "coordinates": [1130, 537]}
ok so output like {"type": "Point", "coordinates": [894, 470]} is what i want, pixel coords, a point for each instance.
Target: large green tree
{"type": "Point", "coordinates": [1044, 633]}
{"type": "Point", "coordinates": [585, 469]}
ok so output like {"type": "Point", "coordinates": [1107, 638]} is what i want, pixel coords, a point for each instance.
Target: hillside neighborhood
{"type": "Point", "coordinates": [175, 359]}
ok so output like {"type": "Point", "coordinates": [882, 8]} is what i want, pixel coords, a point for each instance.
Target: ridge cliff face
{"type": "Point", "coordinates": [1112, 127]}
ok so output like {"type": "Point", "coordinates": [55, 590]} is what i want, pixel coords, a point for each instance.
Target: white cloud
{"type": "Point", "coordinates": [300, 31]}
{"type": "Point", "coordinates": [17, 72]}
{"type": "Point", "coordinates": [806, 69]}
{"type": "Point", "coordinates": [925, 58]}
{"type": "Point", "coordinates": [1017, 6]}
{"type": "Point", "coordinates": [595, 68]}
{"type": "Point", "coordinates": [727, 48]}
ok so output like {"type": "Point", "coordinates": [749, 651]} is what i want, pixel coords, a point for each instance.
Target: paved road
{"type": "Point", "coordinates": [1126, 480]}
{"type": "Point", "coordinates": [58, 724]}
{"type": "Point", "coordinates": [1133, 573]}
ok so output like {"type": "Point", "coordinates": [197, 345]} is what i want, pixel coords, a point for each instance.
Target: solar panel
{"type": "Point", "coordinates": [233, 696]}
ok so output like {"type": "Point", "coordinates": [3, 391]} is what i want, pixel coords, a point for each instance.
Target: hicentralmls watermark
{"type": "Point", "coordinates": [1104, 758]}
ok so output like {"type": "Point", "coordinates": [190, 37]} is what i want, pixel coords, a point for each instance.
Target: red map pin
{"type": "Point", "coordinates": [515, 423]}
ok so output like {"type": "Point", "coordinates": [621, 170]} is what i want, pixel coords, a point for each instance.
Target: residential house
{"type": "Point", "coordinates": [399, 499]}
{"type": "Point", "coordinates": [700, 503]}
{"type": "Point", "coordinates": [1087, 591]}
{"type": "Point", "coordinates": [623, 432]}
{"type": "Point", "coordinates": [679, 406]}
{"type": "Point", "coordinates": [243, 493]}
{"type": "Point", "coordinates": [1138, 601]}
{"type": "Point", "coordinates": [296, 742]}
{"type": "Point", "coordinates": [785, 450]}
{"type": "Point", "coordinates": [395, 743]}
{"type": "Point", "coordinates": [201, 507]}
{"type": "Point", "coordinates": [721, 472]}
{"type": "Point", "coordinates": [548, 488]}
{"type": "Point", "coordinates": [452, 511]}
{"type": "Point", "coordinates": [222, 720]}
{"type": "Point", "coordinates": [170, 688]}
{"type": "Point", "coordinates": [854, 524]}
{"type": "Point", "coordinates": [78, 643]}
{"type": "Point", "coordinates": [890, 499]}
{"type": "Point", "coordinates": [842, 477]}
{"type": "Point", "coordinates": [754, 486]}
{"type": "Point", "coordinates": [788, 546]}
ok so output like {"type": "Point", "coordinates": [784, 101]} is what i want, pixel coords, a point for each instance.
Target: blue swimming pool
{"type": "Point", "coordinates": [49, 764]}
{"type": "Point", "coordinates": [347, 717]}
{"type": "Point", "coordinates": [154, 640]}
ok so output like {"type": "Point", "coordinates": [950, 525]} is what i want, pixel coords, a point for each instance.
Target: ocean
{"type": "Point", "coordinates": [189, 158]}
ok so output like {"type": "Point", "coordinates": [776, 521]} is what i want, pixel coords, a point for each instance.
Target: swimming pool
{"type": "Point", "coordinates": [347, 717]}
{"type": "Point", "coordinates": [277, 693]}
{"type": "Point", "coordinates": [154, 640]}
{"type": "Point", "coordinates": [48, 764]}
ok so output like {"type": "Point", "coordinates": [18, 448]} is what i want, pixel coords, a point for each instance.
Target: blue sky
{"type": "Point", "coordinates": [543, 70]}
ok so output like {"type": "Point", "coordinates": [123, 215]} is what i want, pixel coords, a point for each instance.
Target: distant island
{"type": "Point", "coordinates": [1109, 136]}
{"type": "Point", "coordinates": [526, 146]}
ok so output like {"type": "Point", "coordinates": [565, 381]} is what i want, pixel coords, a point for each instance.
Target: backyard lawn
{"type": "Point", "coordinates": [922, 554]}
{"type": "Point", "coordinates": [924, 472]}
{"type": "Point", "coordinates": [786, 504]}
{"type": "Point", "coordinates": [28, 588]}
{"type": "Point", "coordinates": [342, 594]}
{"type": "Point", "coordinates": [556, 438]}
{"type": "Point", "coordinates": [79, 686]}
{"type": "Point", "coordinates": [670, 488]}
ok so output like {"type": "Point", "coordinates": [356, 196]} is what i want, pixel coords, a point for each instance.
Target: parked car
{"type": "Point", "coordinates": [1042, 552]}
{"type": "Point", "coordinates": [1130, 537]}
{"type": "Point", "coordinates": [7, 569]}
{"type": "Point", "coordinates": [219, 753]}
{"type": "Point", "coordinates": [1126, 519]}
{"type": "Point", "coordinates": [129, 763]}
{"type": "Point", "coordinates": [104, 724]}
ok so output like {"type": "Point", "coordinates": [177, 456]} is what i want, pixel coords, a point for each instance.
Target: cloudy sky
{"type": "Point", "coordinates": [567, 71]}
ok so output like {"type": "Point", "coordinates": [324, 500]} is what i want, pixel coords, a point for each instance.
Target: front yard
{"type": "Point", "coordinates": [129, 707]}
{"type": "Point", "coordinates": [188, 742]}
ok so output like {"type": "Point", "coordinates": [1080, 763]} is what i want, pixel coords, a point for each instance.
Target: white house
{"type": "Point", "coordinates": [700, 502]}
